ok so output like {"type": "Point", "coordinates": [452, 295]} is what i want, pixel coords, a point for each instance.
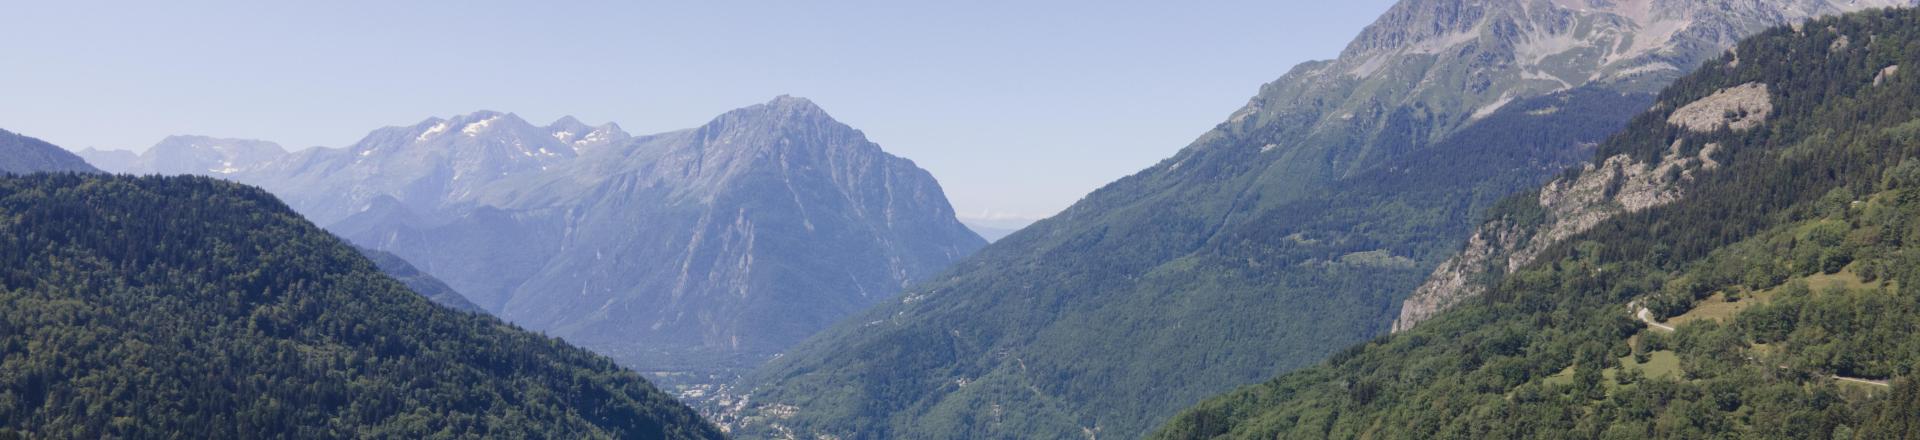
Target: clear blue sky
{"type": "Point", "coordinates": [1018, 107]}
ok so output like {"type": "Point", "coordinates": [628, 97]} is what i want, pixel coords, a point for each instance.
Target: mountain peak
{"type": "Point", "coordinates": [571, 131]}
{"type": "Point", "coordinates": [566, 121]}
{"type": "Point", "coordinates": [782, 112]}
{"type": "Point", "coordinates": [788, 105]}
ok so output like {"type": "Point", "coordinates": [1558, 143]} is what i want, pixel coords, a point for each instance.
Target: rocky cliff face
{"type": "Point", "coordinates": [1429, 67]}
{"type": "Point", "coordinates": [1619, 185]}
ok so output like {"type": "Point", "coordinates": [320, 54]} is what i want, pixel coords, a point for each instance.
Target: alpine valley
{"type": "Point", "coordinates": [1288, 232]}
{"type": "Point", "coordinates": [1553, 219]}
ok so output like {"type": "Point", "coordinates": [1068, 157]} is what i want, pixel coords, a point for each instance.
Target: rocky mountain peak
{"type": "Point", "coordinates": [581, 136]}
{"type": "Point", "coordinates": [776, 129]}
{"type": "Point", "coordinates": [1427, 68]}
{"type": "Point", "coordinates": [782, 110]}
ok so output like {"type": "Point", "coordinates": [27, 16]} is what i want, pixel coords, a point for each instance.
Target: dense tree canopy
{"type": "Point", "coordinates": [187, 307]}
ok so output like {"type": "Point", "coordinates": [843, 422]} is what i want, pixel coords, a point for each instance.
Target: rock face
{"type": "Point", "coordinates": [1740, 109]}
{"type": "Point", "coordinates": [704, 250]}
{"type": "Point", "coordinates": [1086, 322]}
{"type": "Point", "coordinates": [1428, 67]}
{"type": "Point", "coordinates": [21, 155]}
{"type": "Point", "coordinates": [1618, 186]}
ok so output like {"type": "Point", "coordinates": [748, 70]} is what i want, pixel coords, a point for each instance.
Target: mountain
{"type": "Point", "coordinates": [718, 246]}
{"type": "Point", "coordinates": [585, 137]}
{"type": "Point", "coordinates": [691, 254]}
{"type": "Point", "coordinates": [420, 282]}
{"type": "Point", "coordinates": [21, 155]}
{"type": "Point", "coordinates": [1739, 262]}
{"type": "Point", "coordinates": [109, 160]}
{"type": "Point", "coordinates": [1291, 230]}
{"type": "Point", "coordinates": [159, 307]}
{"type": "Point", "coordinates": [196, 155]}
{"type": "Point", "coordinates": [435, 165]}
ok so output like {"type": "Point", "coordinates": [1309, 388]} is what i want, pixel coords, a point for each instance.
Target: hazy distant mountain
{"type": "Point", "coordinates": [585, 137]}
{"type": "Point", "coordinates": [111, 161]}
{"type": "Point", "coordinates": [990, 233]}
{"type": "Point", "coordinates": [719, 245]}
{"type": "Point", "coordinates": [1287, 232]}
{"type": "Point", "coordinates": [707, 249]}
{"type": "Point", "coordinates": [420, 282]}
{"type": "Point", "coordinates": [197, 155]}
{"type": "Point", "coordinates": [426, 168]}
{"type": "Point", "coordinates": [20, 154]}
{"type": "Point", "coordinates": [994, 229]}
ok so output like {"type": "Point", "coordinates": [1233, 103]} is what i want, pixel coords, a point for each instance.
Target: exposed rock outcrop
{"type": "Point", "coordinates": [1620, 185]}
{"type": "Point", "coordinates": [1739, 108]}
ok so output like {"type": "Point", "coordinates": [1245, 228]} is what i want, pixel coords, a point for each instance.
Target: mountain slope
{"type": "Point", "coordinates": [20, 155]}
{"type": "Point", "coordinates": [1288, 231]}
{"type": "Point", "coordinates": [160, 307]}
{"type": "Point", "coordinates": [1771, 240]}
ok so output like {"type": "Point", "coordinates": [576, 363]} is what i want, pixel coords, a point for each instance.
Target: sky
{"type": "Point", "coordinates": [1019, 108]}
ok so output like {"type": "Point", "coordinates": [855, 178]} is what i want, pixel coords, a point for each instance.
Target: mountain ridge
{"type": "Point", "coordinates": [21, 154]}
{"type": "Point", "coordinates": [1772, 243]}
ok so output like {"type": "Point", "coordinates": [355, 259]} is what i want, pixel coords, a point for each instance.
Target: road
{"type": "Point", "coordinates": [1859, 380]}
{"type": "Point", "coordinates": [1646, 316]}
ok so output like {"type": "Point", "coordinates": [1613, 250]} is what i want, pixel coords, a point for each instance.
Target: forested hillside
{"type": "Point", "coordinates": [189, 307]}
{"type": "Point", "coordinates": [1773, 249]}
